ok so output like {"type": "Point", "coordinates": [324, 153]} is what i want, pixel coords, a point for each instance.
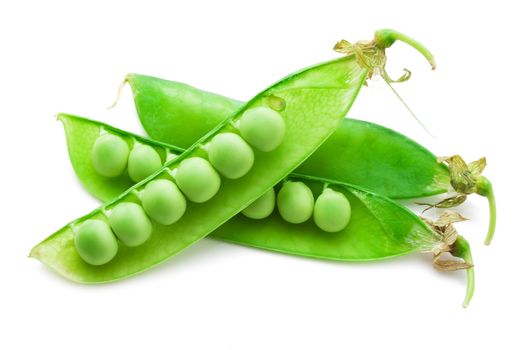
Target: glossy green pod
{"type": "Point", "coordinates": [320, 95]}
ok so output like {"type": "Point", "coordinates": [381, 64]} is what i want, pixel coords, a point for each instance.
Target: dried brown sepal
{"type": "Point", "coordinates": [370, 55]}
{"type": "Point", "coordinates": [343, 46]}
{"type": "Point", "coordinates": [461, 178]}
{"type": "Point", "coordinates": [449, 217]}
{"type": "Point", "coordinates": [449, 235]}
{"type": "Point", "coordinates": [465, 178]}
{"type": "Point", "coordinates": [450, 265]}
{"type": "Point", "coordinates": [476, 167]}
{"type": "Point", "coordinates": [450, 202]}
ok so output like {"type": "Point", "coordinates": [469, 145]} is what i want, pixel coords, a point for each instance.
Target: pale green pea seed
{"type": "Point", "coordinates": [332, 211]}
{"type": "Point", "coordinates": [130, 224]}
{"type": "Point", "coordinates": [95, 242]}
{"type": "Point", "coordinates": [230, 155]}
{"type": "Point", "coordinates": [110, 155]}
{"type": "Point", "coordinates": [143, 161]}
{"type": "Point", "coordinates": [163, 201]}
{"type": "Point", "coordinates": [295, 202]}
{"type": "Point", "coordinates": [263, 128]}
{"type": "Point", "coordinates": [262, 207]}
{"type": "Point", "coordinates": [197, 179]}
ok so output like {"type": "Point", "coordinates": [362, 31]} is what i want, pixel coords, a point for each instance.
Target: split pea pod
{"type": "Point", "coordinates": [320, 95]}
{"type": "Point", "coordinates": [360, 153]}
{"type": "Point", "coordinates": [377, 228]}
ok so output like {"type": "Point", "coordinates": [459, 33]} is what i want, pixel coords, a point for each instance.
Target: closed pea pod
{"type": "Point", "coordinates": [230, 155]}
{"type": "Point", "coordinates": [95, 242]}
{"type": "Point", "coordinates": [130, 224]}
{"type": "Point", "coordinates": [262, 207]}
{"type": "Point", "coordinates": [110, 155]}
{"type": "Point", "coordinates": [143, 161]}
{"type": "Point", "coordinates": [163, 201]}
{"type": "Point", "coordinates": [295, 202]}
{"type": "Point", "coordinates": [332, 211]}
{"type": "Point", "coordinates": [197, 179]}
{"type": "Point", "coordinates": [263, 128]}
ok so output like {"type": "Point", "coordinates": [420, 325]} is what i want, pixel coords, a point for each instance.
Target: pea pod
{"type": "Point", "coordinates": [361, 153]}
{"type": "Point", "coordinates": [379, 228]}
{"type": "Point", "coordinates": [320, 95]}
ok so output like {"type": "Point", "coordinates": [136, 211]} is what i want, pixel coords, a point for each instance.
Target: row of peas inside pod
{"type": "Point", "coordinates": [295, 202]}
{"type": "Point", "coordinates": [164, 200]}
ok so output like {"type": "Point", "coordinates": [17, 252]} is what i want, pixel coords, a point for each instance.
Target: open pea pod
{"type": "Point", "coordinates": [365, 154]}
{"type": "Point", "coordinates": [311, 103]}
{"type": "Point", "coordinates": [379, 228]}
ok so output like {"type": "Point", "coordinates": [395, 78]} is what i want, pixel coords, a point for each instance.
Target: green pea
{"type": "Point", "coordinates": [163, 201]}
{"type": "Point", "coordinates": [332, 211]}
{"type": "Point", "coordinates": [230, 155]}
{"type": "Point", "coordinates": [130, 223]}
{"type": "Point", "coordinates": [263, 128]}
{"type": "Point", "coordinates": [110, 155]}
{"type": "Point", "coordinates": [262, 207]}
{"type": "Point", "coordinates": [143, 161]}
{"type": "Point", "coordinates": [295, 202]}
{"type": "Point", "coordinates": [197, 179]}
{"type": "Point", "coordinates": [95, 243]}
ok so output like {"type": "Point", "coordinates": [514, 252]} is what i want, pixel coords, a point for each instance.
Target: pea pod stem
{"type": "Point", "coordinates": [387, 37]}
{"type": "Point", "coordinates": [372, 55]}
{"type": "Point", "coordinates": [485, 189]}
{"type": "Point", "coordinates": [462, 250]}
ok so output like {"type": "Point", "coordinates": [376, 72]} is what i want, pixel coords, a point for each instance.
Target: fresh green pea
{"type": "Point", "coordinates": [163, 201]}
{"type": "Point", "coordinates": [262, 207]}
{"type": "Point", "coordinates": [143, 161]}
{"type": "Point", "coordinates": [130, 223]}
{"type": "Point", "coordinates": [332, 211]}
{"type": "Point", "coordinates": [263, 128]}
{"type": "Point", "coordinates": [295, 202]}
{"type": "Point", "coordinates": [95, 243]}
{"type": "Point", "coordinates": [230, 155]}
{"type": "Point", "coordinates": [197, 179]}
{"type": "Point", "coordinates": [110, 155]}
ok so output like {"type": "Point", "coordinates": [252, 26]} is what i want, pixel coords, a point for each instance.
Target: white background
{"type": "Point", "coordinates": [70, 57]}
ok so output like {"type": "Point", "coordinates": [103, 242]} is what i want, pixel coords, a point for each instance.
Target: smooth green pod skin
{"type": "Point", "coordinates": [163, 201]}
{"type": "Point", "coordinates": [230, 155]}
{"type": "Point", "coordinates": [369, 155]}
{"type": "Point", "coordinates": [331, 211]}
{"type": "Point", "coordinates": [95, 242]}
{"type": "Point", "coordinates": [295, 202]}
{"type": "Point", "coordinates": [197, 179]}
{"type": "Point", "coordinates": [263, 128]}
{"type": "Point", "coordinates": [262, 207]}
{"type": "Point", "coordinates": [110, 155]}
{"type": "Point", "coordinates": [320, 95]}
{"type": "Point", "coordinates": [143, 161]}
{"type": "Point", "coordinates": [130, 224]}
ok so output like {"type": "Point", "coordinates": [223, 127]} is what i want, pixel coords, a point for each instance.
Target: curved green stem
{"type": "Point", "coordinates": [485, 189]}
{"type": "Point", "coordinates": [386, 37]}
{"type": "Point", "coordinates": [462, 250]}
